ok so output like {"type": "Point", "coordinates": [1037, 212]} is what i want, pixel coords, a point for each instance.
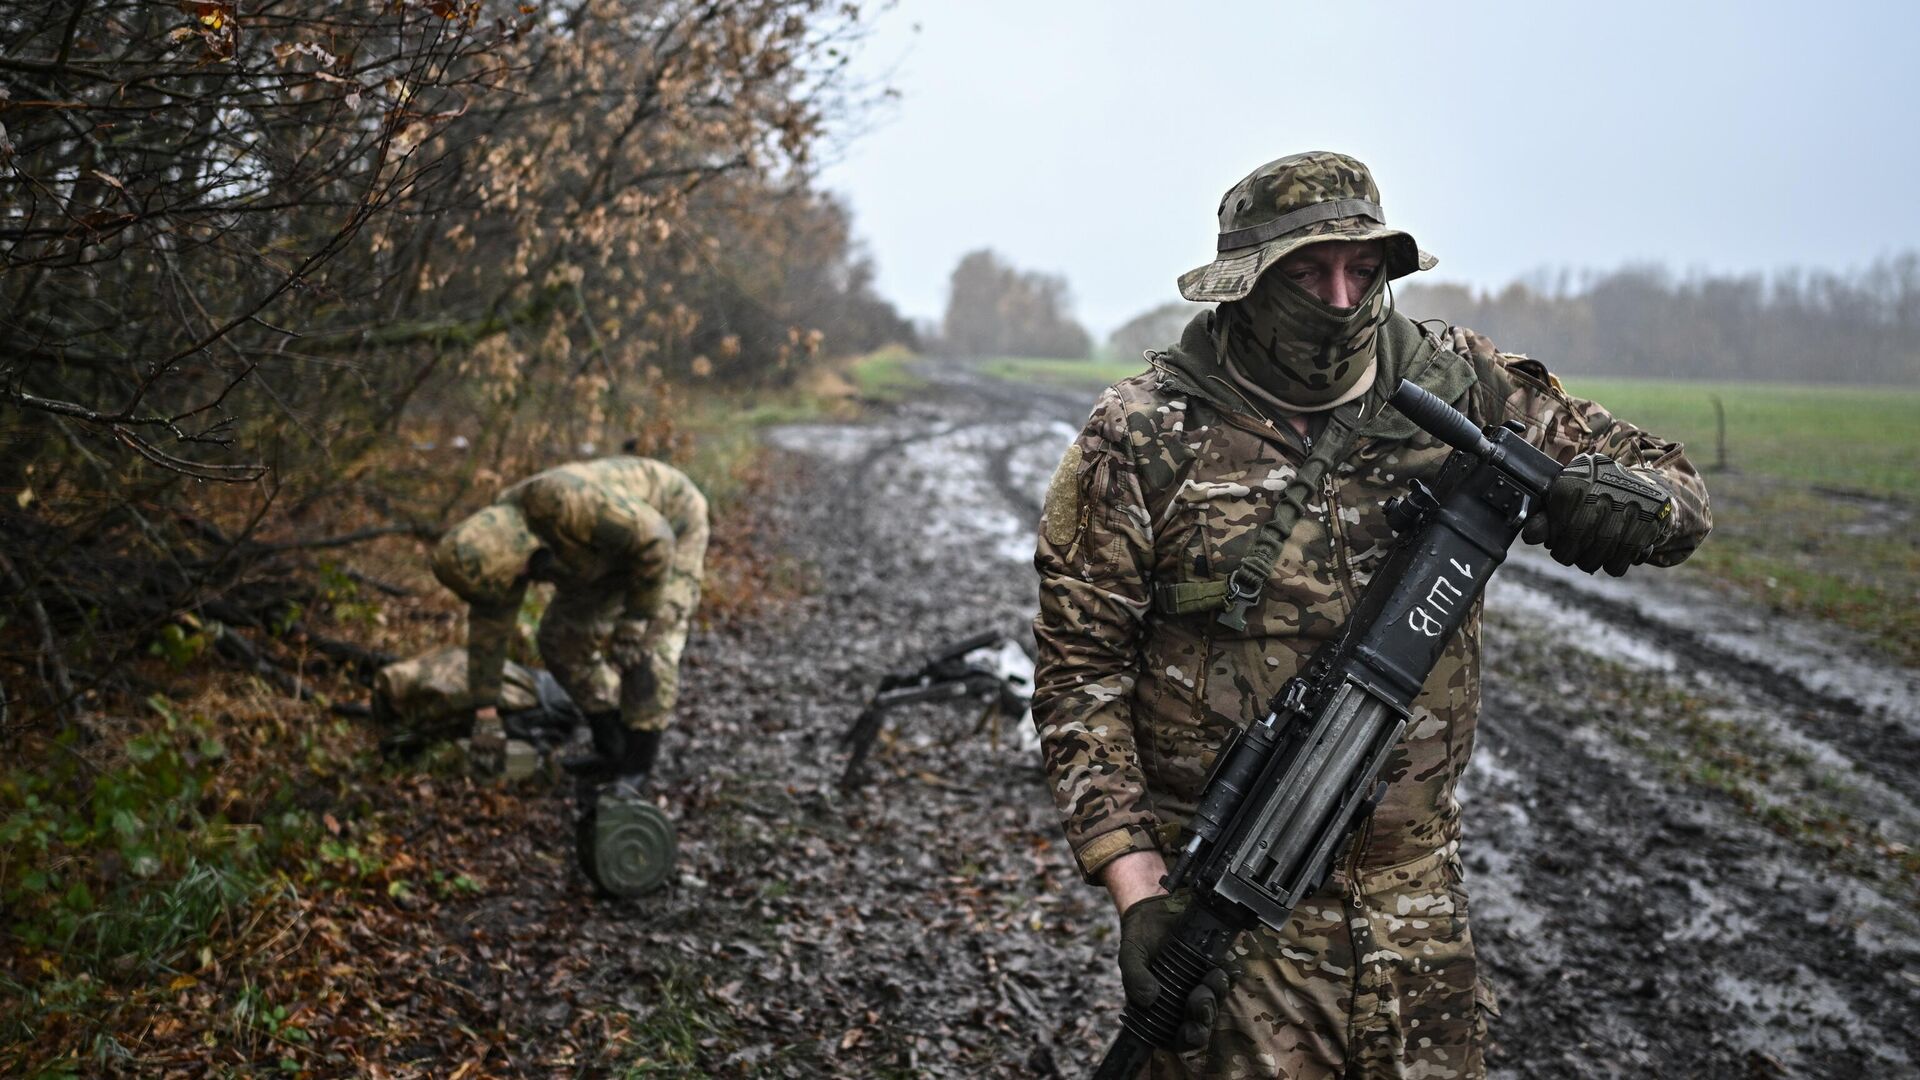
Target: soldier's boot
{"type": "Point", "coordinates": [618, 753]}
{"type": "Point", "coordinates": [625, 843]}
{"type": "Point", "coordinates": [492, 752]}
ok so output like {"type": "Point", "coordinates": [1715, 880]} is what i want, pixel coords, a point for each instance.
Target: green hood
{"type": "Point", "coordinates": [1194, 366]}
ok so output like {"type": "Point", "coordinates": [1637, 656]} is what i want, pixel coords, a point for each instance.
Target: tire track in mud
{"type": "Point", "coordinates": [1882, 746]}
{"type": "Point", "coordinates": [1030, 404]}
{"type": "Point", "coordinates": [1634, 927]}
{"type": "Point", "coordinates": [1000, 472]}
{"type": "Point", "coordinates": [1631, 903]}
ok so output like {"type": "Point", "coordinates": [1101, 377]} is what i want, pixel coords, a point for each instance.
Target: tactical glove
{"type": "Point", "coordinates": [642, 691]}
{"type": "Point", "coordinates": [1143, 928]}
{"type": "Point", "coordinates": [1599, 515]}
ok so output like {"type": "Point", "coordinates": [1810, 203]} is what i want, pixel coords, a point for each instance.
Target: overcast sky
{"type": "Point", "coordinates": [1093, 138]}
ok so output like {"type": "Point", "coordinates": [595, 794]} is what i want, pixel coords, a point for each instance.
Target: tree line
{"type": "Point", "coordinates": [1817, 326]}
{"type": "Point", "coordinates": [996, 309]}
{"type": "Point", "coordinates": [1820, 326]}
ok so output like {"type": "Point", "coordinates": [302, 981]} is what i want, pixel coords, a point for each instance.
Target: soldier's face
{"type": "Point", "coordinates": [1339, 272]}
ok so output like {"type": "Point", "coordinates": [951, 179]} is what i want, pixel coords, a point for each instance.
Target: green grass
{"type": "Point", "coordinates": [1814, 510]}
{"type": "Point", "coordinates": [1853, 438]}
{"type": "Point", "coordinates": [883, 375]}
{"type": "Point", "coordinates": [1804, 553]}
{"type": "Point", "coordinates": [725, 438]}
{"type": "Point", "coordinates": [681, 1022]}
{"type": "Point", "coordinates": [724, 430]}
{"type": "Point", "coordinates": [118, 869]}
{"type": "Point", "coordinates": [1087, 373]}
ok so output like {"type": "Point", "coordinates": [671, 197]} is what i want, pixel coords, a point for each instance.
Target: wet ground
{"type": "Point", "coordinates": [1689, 828]}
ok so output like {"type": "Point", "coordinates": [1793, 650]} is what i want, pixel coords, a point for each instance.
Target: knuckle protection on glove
{"type": "Point", "coordinates": [1600, 515]}
{"type": "Point", "coordinates": [1564, 498]}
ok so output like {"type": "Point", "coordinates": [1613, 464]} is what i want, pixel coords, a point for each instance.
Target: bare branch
{"type": "Point", "coordinates": [53, 671]}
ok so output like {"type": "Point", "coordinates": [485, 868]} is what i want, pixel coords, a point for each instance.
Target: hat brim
{"type": "Point", "coordinates": [1231, 276]}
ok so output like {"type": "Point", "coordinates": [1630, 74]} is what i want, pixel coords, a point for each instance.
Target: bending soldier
{"type": "Point", "coordinates": [622, 540]}
{"type": "Point", "coordinates": [1153, 649]}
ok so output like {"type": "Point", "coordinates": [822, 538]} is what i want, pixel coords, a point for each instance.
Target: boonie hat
{"type": "Point", "coordinates": [1287, 204]}
{"type": "Point", "coordinates": [482, 558]}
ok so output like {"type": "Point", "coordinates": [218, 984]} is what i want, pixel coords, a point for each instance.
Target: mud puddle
{"type": "Point", "coordinates": [1789, 741]}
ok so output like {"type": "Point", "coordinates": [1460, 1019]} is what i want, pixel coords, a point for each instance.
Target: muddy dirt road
{"type": "Point", "coordinates": [1689, 830]}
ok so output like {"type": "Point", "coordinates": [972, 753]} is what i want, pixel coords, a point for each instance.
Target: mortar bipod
{"type": "Point", "coordinates": [988, 667]}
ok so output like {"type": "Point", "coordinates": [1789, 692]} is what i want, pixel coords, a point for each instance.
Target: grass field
{"type": "Point", "coordinates": [1814, 503]}
{"type": "Point", "coordinates": [1090, 373]}
{"type": "Point", "coordinates": [1858, 439]}
{"type": "Point", "coordinates": [1814, 508]}
{"type": "Point", "coordinates": [883, 375]}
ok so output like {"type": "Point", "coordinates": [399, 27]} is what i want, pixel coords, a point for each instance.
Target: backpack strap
{"type": "Point", "coordinates": [1445, 373]}
{"type": "Point", "coordinates": [1241, 589]}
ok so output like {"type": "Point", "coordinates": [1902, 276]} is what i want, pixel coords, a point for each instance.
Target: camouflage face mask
{"type": "Point", "coordinates": [1294, 349]}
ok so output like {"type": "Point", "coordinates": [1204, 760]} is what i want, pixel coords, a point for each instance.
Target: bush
{"type": "Point", "coordinates": [117, 874]}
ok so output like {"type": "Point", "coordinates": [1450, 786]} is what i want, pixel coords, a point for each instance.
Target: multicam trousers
{"type": "Point", "coordinates": [1374, 978]}
{"type": "Point", "coordinates": [584, 642]}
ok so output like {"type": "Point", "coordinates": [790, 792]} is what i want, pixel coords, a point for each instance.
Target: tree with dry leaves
{"type": "Point", "coordinates": [254, 244]}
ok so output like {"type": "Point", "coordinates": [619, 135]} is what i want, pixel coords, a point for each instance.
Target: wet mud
{"type": "Point", "coordinates": [1688, 856]}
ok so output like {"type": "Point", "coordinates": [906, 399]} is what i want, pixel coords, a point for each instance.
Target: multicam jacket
{"type": "Point", "coordinates": [1165, 485]}
{"type": "Point", "coordinates": [622, 539]}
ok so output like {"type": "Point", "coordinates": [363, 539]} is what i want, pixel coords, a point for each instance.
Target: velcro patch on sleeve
{"type": "Point", "coordinates": [1060, 516]}
{"type": "Point", "coordinates": [1104, 847]}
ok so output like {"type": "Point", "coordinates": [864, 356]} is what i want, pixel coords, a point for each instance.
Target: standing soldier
{"type": "Point", "coordinates": [622, 540]}
{"type": "Point", "coordinates": [1244, 477]}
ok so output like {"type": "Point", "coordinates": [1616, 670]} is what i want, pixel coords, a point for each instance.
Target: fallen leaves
{"type": "Point", "coordinates": [440, 928]}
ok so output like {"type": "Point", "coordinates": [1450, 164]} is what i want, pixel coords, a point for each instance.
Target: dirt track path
{"type": "Point", "coordinates": [1685, 851]}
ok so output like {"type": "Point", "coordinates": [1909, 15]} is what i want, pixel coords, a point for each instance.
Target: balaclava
{"type": "Point", "coordinates": [1290, 350]}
